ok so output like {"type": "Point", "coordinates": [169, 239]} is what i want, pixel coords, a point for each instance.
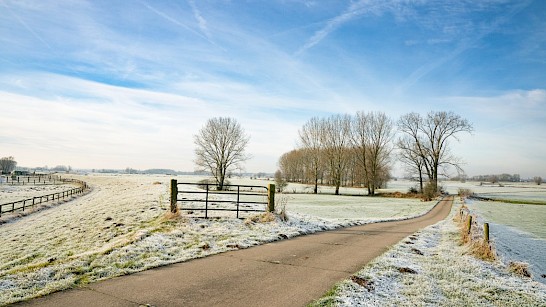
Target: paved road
{"type": "Point", "coordinates": [284, 273]}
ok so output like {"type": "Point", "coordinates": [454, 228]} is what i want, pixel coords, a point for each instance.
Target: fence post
{"type": "Point", "coordinates": [469, 223]}
{"type": "Point", "coordinates": [238, 198]}
{"type": "Point", "coordinates": [174, 195]}
{"type": "Point", "coordinates": [486, 232]}
{"type": "Point", "coordinates": [207, 202]}
{"type": "Point", "coordinates": [271, 197]}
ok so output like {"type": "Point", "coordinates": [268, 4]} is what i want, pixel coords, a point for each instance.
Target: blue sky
{"type": "Point", "coordinates": [115, 84]}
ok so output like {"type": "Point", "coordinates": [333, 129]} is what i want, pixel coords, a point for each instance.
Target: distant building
{"type": "Point", "coordinates": [21, 173]}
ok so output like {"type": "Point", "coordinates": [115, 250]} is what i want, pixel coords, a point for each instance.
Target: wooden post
{"type": "Point", "coordinates": [207, 202]}
{"type": "Point", "coordinates": [469, 223]}
{"type": "Point", "coordinates": [486, 232]}
{"type": "Point", "coordinates": [271, 197]}
{"type": "Point", "coordinates": [174, 195]}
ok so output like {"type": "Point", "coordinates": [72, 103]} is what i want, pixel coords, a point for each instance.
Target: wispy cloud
{"type": "Point", "coordinates": [353, 11]}
{"type": "Point", "coordinates": [86, 121]}
{"type": "Point", "coordinates": [464, 37]}
{"type": "Point", "coordinates": [171, 19]}
{"type": "Point", "coordinates": [200, 20]}
{"type": "Point", "coordinates": [29, 29]}
{"type": "Point", "coordinates": [123, 78]}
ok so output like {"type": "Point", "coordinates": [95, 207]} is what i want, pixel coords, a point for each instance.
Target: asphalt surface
{"type": "Point", "coordinates": [284, 273]}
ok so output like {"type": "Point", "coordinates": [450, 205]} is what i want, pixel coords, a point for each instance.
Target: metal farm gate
{"type": "Point", "coordinates": [205, 197]}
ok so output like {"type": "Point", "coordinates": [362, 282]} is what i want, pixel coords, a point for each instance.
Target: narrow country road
{"type": "Point", "coordinates": [284, 273]}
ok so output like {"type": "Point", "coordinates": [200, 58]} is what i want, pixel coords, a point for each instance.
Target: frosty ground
{"type": "Point", "coordinates": [122, 227]}
{"type": "Point", "coordinates": [430, 268]}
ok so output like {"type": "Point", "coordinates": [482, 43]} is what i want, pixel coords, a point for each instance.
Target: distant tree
{"type": "Point", "coordinates": [429, 138]}
{"type": "Point", "coordinates": [336, 141]}
{"type": "Point", "coordinates": [7, 164]}
{"type": "Point", "coordinates": [371, 136]}
{"type": "Point", "coordinates": [220, 146]}
{"type": "Point", "coordinates": [292, 165]}
{"type": "Point", "coordinates": [538, 180]}
{"type": "Point", "coordinates": [280, 182]}
{"type": "Point", "coordinates": [311, 140]}
{"type": "Point", "coordinates": [494, 178]}
{"type": "Point", "coordinates": [60, 168]}
{"type": "Point", "coordinates": [129, 170]}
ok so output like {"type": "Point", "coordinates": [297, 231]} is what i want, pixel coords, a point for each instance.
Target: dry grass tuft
{"type": "Point", "coordinates": [169, 216]}
{"type": "Point", "coordinates": [400, 195]}
{"type": "Point", "coordinates": [407, 270]}
{"type": "Point", "coordinates": [519, 268]}
{"type": "Point", "coordinates": [280, 205]}
{"type": "Point", "coordinates": [482, 250]}
{"type": "Point", "coordinates": [418, 252]}
{"type": "Point", "coordinates": [478, 247]}
{"type": "Point", "coordinates": [368, 285]}
{"type": "Point", "coordinates": [266, 217]}
{"type": "Point", "coordinates": [156, 182]}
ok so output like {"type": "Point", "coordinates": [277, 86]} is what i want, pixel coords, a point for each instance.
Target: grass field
{"type": "Point", "coordinates": [121, 228]}
{"type": "Point", "coordinates": [10, 193]}
{"type": "Point", "coordinates": [430, 268]}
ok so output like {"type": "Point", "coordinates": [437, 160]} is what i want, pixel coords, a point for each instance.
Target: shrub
{"type": "Point", "coordinates": [519, 268]}
{"type": "Point", "coordinates": [429, 191]}
{"type": "Point", "coordinates": [281, 208]}
{"type": "Point", "coordinates": [203, 184]}
{"type": "Point", "coordinates": [280, 181]}
{"type": "Point", "coordinates": [464, 192]}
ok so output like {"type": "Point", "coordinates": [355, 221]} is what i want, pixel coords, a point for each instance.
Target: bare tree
{"type": "Point", "coordinates": [292, 165]}
{"type": "Point", "coordinates": [381, 133]}
{"type": "Point", "coordinates": [372, 135]}
{"type": "Point", "coordinates": [410, 155]}
{"type": "Point", "coordinates": [311, 136]}
{"type": "Point", "coordinates": [7, 164]}
{"type": "Point", "coordinates": [221, 146]}
{"type": "Point", "coordinates": [538, 180]}
{"type": "Point", "coordinates": [430, 136]}
{"type": "Point", "coordinates": [336, 141]}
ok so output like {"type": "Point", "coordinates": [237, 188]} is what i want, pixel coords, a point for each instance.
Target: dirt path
{"type": "Point", "coordinates": [285, 273]}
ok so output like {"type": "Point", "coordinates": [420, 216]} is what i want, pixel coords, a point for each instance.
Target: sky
{"type": "Point", "coordinates": [116, 84]}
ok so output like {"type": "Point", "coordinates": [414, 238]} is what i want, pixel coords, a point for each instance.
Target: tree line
{"type": "Point", "coordinates": [358, 150]}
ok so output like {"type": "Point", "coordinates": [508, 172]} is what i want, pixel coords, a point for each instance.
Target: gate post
{"type": "Point", "coordinates": [174, 195]}
{"type": "Point", "coordinates": [271, 197]}
{"type": "Point", "coordinates": [486, 232]}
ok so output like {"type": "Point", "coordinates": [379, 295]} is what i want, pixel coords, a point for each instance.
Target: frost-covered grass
{"type": "Point", "coordinates": [10, 193]}
{"type": "Point", "coordinates": [122, 227]}
{"type": "Point", "coordinates": [430, 268]}
{"type": "Point", "coordinates": [509, 191]}
{"type": "Point", "coordinates": [356, 207]}
{"type": "Point", "coordinates": [528, 218]}
{"type": "Point", "coordinates": [518, 231]}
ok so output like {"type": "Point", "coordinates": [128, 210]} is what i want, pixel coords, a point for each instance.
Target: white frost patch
{"type": "Point", "coordinates": [440, 274]}
{"type": "Point", "coordinates": [120, 228]}
{"type": "Point", "coordinates": [518, 232]}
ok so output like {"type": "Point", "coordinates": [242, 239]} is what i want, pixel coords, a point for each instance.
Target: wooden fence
{"type": "Point", "coordinates": [31, 179]}
{"type": "Point", "coordinates": [37, 200]}
{"type": "Point", "coordinates": [234, 198]}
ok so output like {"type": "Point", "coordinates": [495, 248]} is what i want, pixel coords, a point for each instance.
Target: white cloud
{"type": "Point", "coordinates": [88, 124]}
